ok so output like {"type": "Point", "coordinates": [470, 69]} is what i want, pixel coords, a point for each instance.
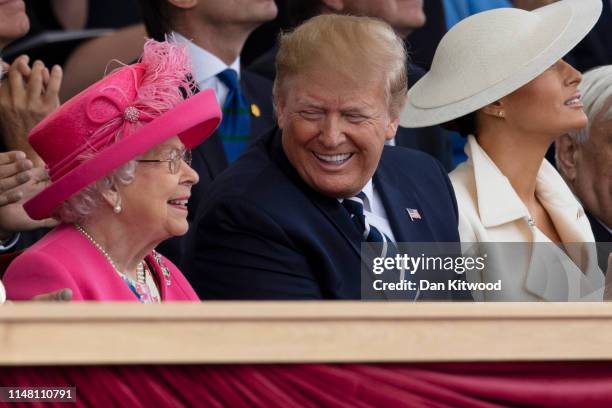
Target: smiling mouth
{"type": "Point", "coordinates": [180, 203]}
{"type": "Point", "coordinates": [575, 101]}
{"type": "Point", "coordinates": [334, 159]}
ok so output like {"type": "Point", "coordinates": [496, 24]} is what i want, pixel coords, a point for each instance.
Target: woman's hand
{"type": "Point", "coordinates": [62, 295]}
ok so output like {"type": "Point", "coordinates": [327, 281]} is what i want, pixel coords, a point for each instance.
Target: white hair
{"type": "Point", "coordinates": [82, 205]}
{"type": "Point", "coordinates": [596, 90]}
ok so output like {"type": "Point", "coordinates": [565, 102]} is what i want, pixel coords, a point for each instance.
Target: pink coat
{"type": "Point", "coordinates": [64, 258]}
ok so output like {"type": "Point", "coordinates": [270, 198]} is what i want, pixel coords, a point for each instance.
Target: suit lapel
{"type": "Point", "coordinates": [398, 196]}
{"type": "Point", "coordinates": [329, 207]}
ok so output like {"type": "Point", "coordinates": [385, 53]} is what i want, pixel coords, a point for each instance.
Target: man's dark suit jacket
{"type": "Point", "coordinates": [433, 140]}
{"type": "Point", "coordinates": [262, 233]}
{"type": "Point", "coordinates": [603, 239]}
{"type": "Point", "coordinates": [209, 158]}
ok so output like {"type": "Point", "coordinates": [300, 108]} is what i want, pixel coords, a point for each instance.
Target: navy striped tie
{"type": "Point", "coordinates": [388, 248]}
{"type": "Point", "coordinates": [235, 127]}
{"type": "Point", "coordinates": [369, 233]}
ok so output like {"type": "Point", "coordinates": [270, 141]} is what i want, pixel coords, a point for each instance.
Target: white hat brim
{"type": "Point", "coordinates": [574, 18]}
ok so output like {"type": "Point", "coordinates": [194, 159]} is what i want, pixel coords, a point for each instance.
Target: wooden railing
{"type": "Point", "coordinates": [291, 332]}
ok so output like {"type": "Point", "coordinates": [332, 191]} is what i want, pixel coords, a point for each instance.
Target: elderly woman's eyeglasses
{"type": "Point", "coordinates": [174, 161]}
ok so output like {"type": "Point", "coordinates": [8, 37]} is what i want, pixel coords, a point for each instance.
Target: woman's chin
{"type": "Point", "coordinates": [175, 229]}
{"type": "Point", "coordinates": [577, 123]}
{"type": "Point", "coordinates": [182, 230]}
{"type": "Point", "coordinates": [581, 121]}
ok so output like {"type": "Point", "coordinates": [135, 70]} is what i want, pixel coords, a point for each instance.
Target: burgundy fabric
{"type": "Point", "coordinates": [587, 384]}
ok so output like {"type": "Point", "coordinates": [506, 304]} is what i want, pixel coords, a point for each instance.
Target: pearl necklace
{"type": "Point", "coordinates": [140, 269]}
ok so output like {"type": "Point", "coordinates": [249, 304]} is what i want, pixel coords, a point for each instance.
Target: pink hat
{"type": "Point", "coordinates": [119, 118]}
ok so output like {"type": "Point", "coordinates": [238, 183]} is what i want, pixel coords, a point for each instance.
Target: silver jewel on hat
{"type": "Point", "coordinates": [131, 114]}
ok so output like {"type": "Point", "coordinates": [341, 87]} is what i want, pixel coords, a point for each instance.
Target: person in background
{"type": "Point", "coordinates": [531, 4]}
{"type": "Point", "coordinates": [584, 157]}
{"type": "Point", "coordinates": [27, 94]}
{"type": "Point", "coordinates": [118, 156]}
{"type": "Point", "coordinates": [512, 102]}
{"type": "Point", "coordinates": [87, 63]}
{"type": "Point", "coordinates": [287, 220]}
{"type": "Point", "coordinates": [20, 180]}
{"type": "Point", "coordinates": [404, 17]}
{"type": "Point", "coordinates": [457, 10]}
{"type": "Point", "coordinates": [215, 32]}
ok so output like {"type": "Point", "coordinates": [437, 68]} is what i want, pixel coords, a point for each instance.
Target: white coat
{"type": "Point", "coordinates": [491, 213]}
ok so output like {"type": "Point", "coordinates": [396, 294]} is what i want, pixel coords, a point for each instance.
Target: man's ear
{"type": "Point", "coordinates": [334, 5]}
{"type": "Point", "coordinates": [392, 128]}
{"type": "Point", "coordinates": [184, 4]}
{"type": "Point", "coordinates": [279, 108]}
{"type": "Point", "coordinates": [566, 154]}
{"type": "Point", "coordinates": [494, 109]}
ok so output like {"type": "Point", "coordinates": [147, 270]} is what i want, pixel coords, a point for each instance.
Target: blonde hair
{"type": "Point", "coordinates": [359, 48]}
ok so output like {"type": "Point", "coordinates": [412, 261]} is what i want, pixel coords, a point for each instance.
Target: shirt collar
{"type": "Point", "coordinates": [368, 190]}
{"type": "Point", "coordinates": [205, 64]}
{"type": "Point", "coordinates": [498, 203]}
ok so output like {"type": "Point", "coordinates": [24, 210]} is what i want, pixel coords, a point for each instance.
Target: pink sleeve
{"type": "Point", "coordinates": [35, 273]}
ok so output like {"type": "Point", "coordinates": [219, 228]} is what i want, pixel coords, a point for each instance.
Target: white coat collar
{"type": "Point", "coordinates": [498, 203]}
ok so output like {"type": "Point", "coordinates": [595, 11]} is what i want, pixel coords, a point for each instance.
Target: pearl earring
{"type": "Point", "coordinates": [117, 207]}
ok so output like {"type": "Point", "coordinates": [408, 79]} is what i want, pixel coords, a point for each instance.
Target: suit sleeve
{"type": "Point", "coordinates": [36, 273]}
{"type": "Point", "coordinates": [240, 252]}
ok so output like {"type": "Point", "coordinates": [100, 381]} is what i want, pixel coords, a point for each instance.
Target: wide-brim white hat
{"type": "Point", "coordinates": [491, 54]}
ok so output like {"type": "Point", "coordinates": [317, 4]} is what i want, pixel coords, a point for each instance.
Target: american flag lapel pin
{"type": "Point", "coordinates": [413, 213]}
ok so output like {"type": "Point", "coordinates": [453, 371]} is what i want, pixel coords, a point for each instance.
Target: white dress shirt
{"type": "Point", "coordinates": [206, 66]}
{"type": "Point", "coordinates": [374, 210]}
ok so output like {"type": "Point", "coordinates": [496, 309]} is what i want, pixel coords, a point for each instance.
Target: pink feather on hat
{"type": "Point", "coordinates": [125, 114]}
